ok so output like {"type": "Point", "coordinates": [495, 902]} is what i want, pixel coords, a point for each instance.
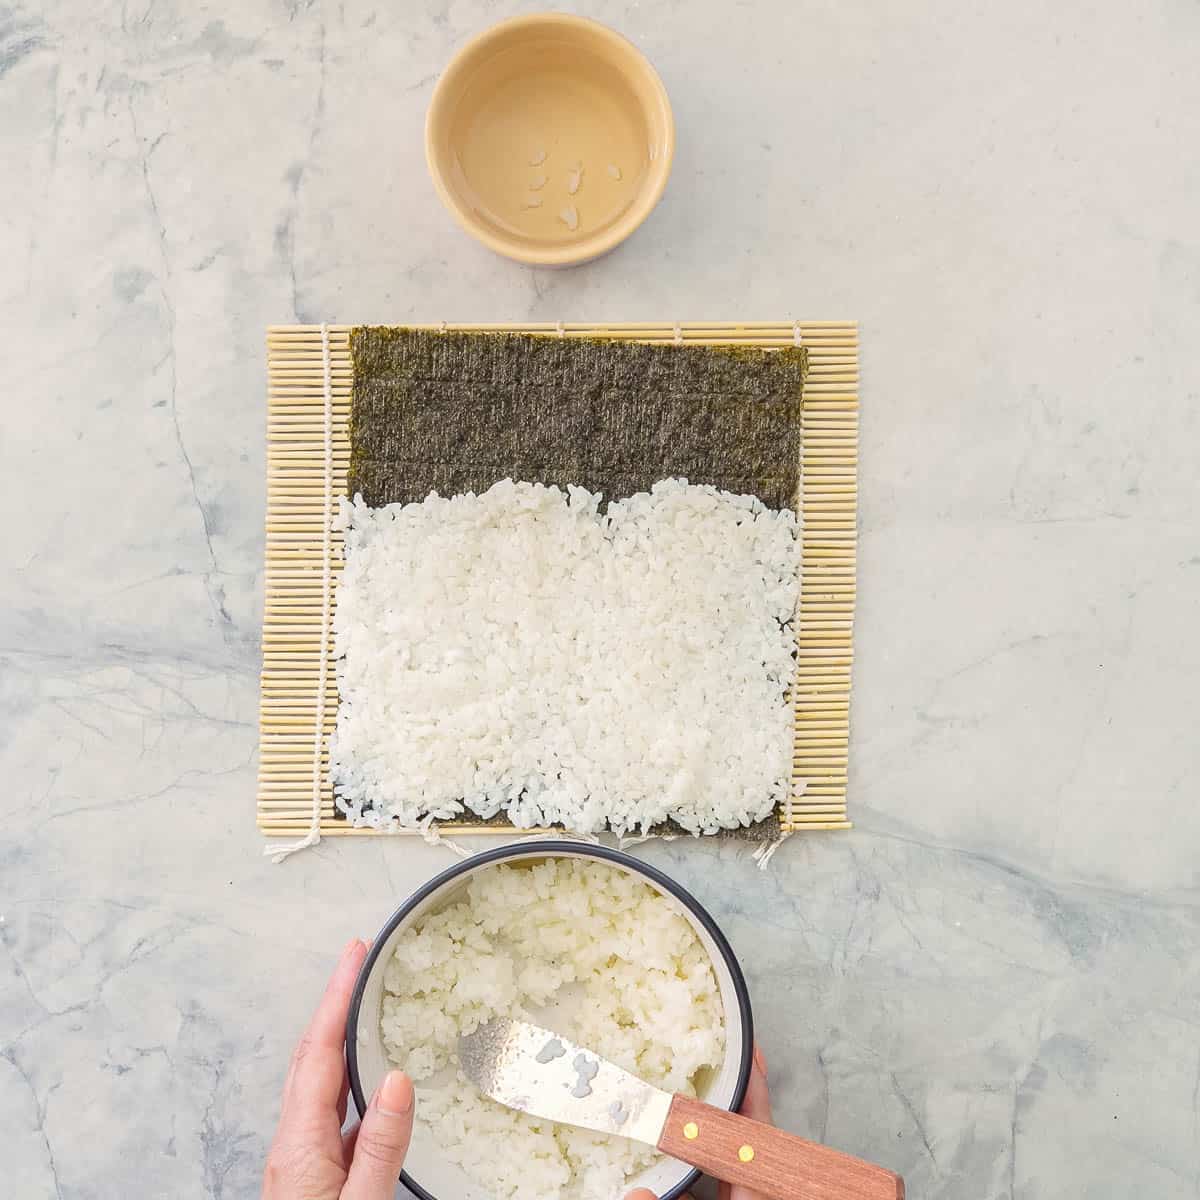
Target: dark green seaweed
{"type": "Point", "coordinates": [456, 412]}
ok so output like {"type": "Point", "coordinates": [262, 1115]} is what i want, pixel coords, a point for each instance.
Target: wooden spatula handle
{"type": "Point", "coordinates": [767, 1160]}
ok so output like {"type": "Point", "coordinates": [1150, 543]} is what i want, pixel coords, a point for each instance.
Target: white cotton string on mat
{"type": "Point", "coordinates": [278, 853]}
{"type": "Point", "coordinates": [432, 836]}
{"type": "Point", "coordinates": [766, 851]}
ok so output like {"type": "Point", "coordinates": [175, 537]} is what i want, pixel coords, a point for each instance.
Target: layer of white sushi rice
{"type": "Point", "coordinates": [523, 651]}
{"type": "Point", "coordinates": [643, 995]}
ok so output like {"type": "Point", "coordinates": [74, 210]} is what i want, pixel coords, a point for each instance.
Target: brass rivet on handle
{"type": "Point", "coordinates": [691, 1131]}
{"type": "Point", "coordinates": [746, 1153]}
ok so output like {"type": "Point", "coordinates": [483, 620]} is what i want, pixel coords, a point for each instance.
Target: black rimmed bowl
{"type": "Point", "coordinates": [426, 1172]}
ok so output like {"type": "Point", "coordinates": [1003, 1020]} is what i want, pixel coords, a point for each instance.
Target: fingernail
{"type": "Point", "coordinates": [759, 1061]}
{"type": "Point", "coordinates": [395, 1094]}
{"type": "Point", "coordinates": [351, 946]}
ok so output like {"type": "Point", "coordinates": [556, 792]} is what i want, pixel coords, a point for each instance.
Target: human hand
{"type": "Point", "coordinates": [756, 1106]}
{"type": "Point", "coordinates": [310, 1158]}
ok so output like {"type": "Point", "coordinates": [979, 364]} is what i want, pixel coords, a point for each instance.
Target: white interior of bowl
{"type": "Point", "coordinates": [446, 1181]}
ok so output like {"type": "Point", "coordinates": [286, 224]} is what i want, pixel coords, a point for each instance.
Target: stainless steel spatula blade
{"type": "Point", "coordinates": [533, 1069]}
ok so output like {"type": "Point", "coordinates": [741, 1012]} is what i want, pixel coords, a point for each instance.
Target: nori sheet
{"type": "Point", "coordinates": [456, 412]}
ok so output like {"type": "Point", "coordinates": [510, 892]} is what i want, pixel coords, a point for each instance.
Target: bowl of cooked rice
{"type": "Point", "coordinates": [581, 939]}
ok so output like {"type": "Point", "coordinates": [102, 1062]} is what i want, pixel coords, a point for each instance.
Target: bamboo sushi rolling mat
{"type": "Point", "coordinates": [304, 559]}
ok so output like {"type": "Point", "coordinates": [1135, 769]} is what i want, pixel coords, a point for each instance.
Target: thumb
{"type": "Point", "coordinates": [382, 1141]}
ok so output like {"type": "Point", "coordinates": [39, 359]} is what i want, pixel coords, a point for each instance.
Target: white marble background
{"type": "Point", "coordinates": [992, 984]}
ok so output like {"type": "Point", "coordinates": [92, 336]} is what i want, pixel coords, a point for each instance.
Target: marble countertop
{"type": "Point", "coordinates": [992, 983]}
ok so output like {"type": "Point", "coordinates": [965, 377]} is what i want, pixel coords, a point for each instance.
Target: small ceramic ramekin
{"type": "Point", "coordinates": [550, 138]}
{"type": "Point", "coordinates": [426, 1173]}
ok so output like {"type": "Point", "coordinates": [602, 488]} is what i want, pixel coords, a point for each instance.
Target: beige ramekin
{"type": "Point", "coordinates": [526, 107]}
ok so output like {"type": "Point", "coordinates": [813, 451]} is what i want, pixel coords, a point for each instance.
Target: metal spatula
{"type": "Point", "coordinates": [540, 1073]}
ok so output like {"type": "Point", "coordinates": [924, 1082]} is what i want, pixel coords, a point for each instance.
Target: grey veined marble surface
{"type": "Point", "coordinates": [992, 984]}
